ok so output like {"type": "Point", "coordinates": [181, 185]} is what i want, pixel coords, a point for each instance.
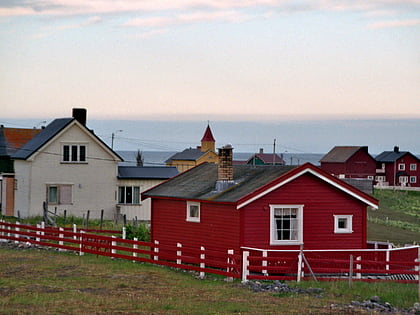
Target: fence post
{"type": "Point", "coordinates": [124, 232]}
{"type": "Point", "coordinates": [2, 233]}
{"type": "Point", "coordinates": [113, 243]}
{"type": "Point", "coordinates": [156, 250]}
{"type": "Point", "coordinates": [38, 233]}
{"type": "Point", "coordinates": [202, 261]}
{"type": "Point", "coordinates": [388, 256]}
{"type": "Point", "coordinates": [245, 264]}
{"type": "Point", "coordinates": [135, 246]}
{"type": "Point", "coordinates": [229, 261]}
{"type": "Point", "coordinates": [74, 231]}
{"type": "Point", "coordinates": [351, 272]}
{"type": "Point", "coordinates": [264, 263]}
{"type": "Point", "coordinates": [358, 267]}
{"type": "Point", "coordinates": [179, 253]}
{"type": "Point", "coordinates": [17, 235]}
{"type": "Point", "coordinates": [299, 267]}
{"type": "Point", "coordinates": [81, 253]}
{"type": "Point", "coordinates": [61, 236]}
{"type": "Point", "coordinates": [42, 227]}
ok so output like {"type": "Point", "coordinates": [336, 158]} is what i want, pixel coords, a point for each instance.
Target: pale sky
{"type": "Point", "coordinates": [210, 59]}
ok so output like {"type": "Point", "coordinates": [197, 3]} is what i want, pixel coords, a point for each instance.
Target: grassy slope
{"type": "Point", "coordinates": [49, 282]}
{"type": "Point", "coordinates": [397, 219]}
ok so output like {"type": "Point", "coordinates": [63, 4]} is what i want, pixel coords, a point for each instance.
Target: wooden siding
{"type": "Point", "coordinates": [218, 226]}
{"type": "Point", "coordinates": [359, 165]}
{"type": "Point", "coordinates": [321, 202]}
{"type": "Point", "coordinates": [392, 168]}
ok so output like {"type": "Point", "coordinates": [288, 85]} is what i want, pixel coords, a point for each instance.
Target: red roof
{"type": "Point", "coordinates": [15, 138]}
{"type": "Point", "coordinates": [267, 158]}
{"type": "Point", "coordinates": [208, 136]}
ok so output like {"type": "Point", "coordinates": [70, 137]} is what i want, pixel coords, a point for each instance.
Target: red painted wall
{"type": "Point", "coordinates": [321, 201]}
{"type": "Point", "coordinates": [391, 169]}
{"type": "Point", "coordinates": [359, 165]}
{"type": "Point", "coordinates": [218, 226]}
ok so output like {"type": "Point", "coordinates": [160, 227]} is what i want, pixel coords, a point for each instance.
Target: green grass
{"type": "Point", "coordinates": [48, 282]}
{"type": "Point", "coordinates": [398, 218]}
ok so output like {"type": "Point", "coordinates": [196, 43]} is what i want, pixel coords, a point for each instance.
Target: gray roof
{"type": "Point", "coordinates": [390, 156]}
{"type": "Point", "coordinates": [42, 138]}
{"type": "Point", "coordinates": [199, 183]}
{"type": "Point", "coordinates": [341, 154]}
{"type": "Point", "coordinates": [146, 172]}
{"type": "Point", "coordinates": [187, 155]}
{"type": "Point", "coordinates": [46, 135]}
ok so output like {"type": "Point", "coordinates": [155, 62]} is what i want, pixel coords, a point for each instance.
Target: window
{"type": "Point", "coordinates": [401, 167]}
{"type": "Point", "coordinates": [343, 224]}
{"type": "Point", "coordinates": [370, 177]}
{"type": "Point", "coordinates": [59, 194]}
{"type": "Point", "coordinates": [403, 180]}
{"type": "Point", "coordinates": [129, 194]}
{"type": "Point", "coordinates": [193, 211]}
{"type": "Point", "coordinates": [286, 224]}
{"type": "Point", "coordinates": [381, 178]}
{"type": "Point", "coordinates": [74, 153]}
{"type": "Point", "coordinates": [413, 179]}
{"type": "Point", "coordinates": [413, 167]}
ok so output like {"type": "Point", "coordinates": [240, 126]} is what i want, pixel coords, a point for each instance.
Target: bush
{"type": "Point", "coordinates": [141, 231]}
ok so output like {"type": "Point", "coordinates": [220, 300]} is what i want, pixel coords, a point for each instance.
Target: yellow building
{"type": "Point", "coordinates": [191, 157]}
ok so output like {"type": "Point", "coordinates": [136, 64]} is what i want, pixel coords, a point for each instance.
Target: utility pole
{"type": "Point", "coordinates": [274, 152]}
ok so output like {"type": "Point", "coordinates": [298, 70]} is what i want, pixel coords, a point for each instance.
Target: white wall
{"type": "Point", "coordinates": [94, 183]}
{"type": "Point", "coordinates": [142, 211]}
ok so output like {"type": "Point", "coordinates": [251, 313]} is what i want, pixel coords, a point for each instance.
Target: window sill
{"type": "Point", "coordinates": [274, 243]}
{"type": "Point", "coordinates": [343, 232]}
{"type": "Point", "coordinates": [193, 220]}
{"type": "Point", "coordinates": [73, 162]}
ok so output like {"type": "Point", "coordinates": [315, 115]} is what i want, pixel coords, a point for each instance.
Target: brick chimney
{"type": "Point", "coordinates": [225, 168]}
{"type": "Point", "coordinates": [80, 115]}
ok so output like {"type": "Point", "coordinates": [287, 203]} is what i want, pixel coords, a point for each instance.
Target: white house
{"type": "Point", "coordinates": [69, 167]}
{"type": "Point", "coordinates": [132, 181]}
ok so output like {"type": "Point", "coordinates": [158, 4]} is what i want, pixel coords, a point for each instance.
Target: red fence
{"type": "Point", "coordinates": [397, 264]}
{"type": "Point", "coordinates": [202, 260]}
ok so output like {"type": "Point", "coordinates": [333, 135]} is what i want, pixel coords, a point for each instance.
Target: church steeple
{"type": "Point", "coordinates": [208, 142]}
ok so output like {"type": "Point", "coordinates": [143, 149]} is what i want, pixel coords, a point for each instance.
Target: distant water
{"type": "Point", "coordinates": [158, 158]}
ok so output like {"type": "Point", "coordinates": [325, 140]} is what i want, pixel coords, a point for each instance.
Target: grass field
{"type": "Point", "coordinates": [398, 218]}
{"type": "Point", "coordinates": [34, 281]}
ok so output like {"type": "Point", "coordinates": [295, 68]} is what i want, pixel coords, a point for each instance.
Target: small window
{"type": "Point", "coordinates": [286, 224]}
{"type": "Point", "coordinates": [370, 177]}
{"type": "Point", "coordinates": [60, 194]}
{"type": "Point", "coordinates": [129, 195]}
{"type": "Point", "coordinates": [413, 167]}
{"type": "Point", "coordinates": [401, 167]}
{"type": "Point", "coordinates": [413, 179]}
{"type": "Point", "coordinates": [74, 153]}
{"type": "Point", "coordinates": [403, 179]}
{"type": "Point", "coordinates": [193, 211]}
{"type": "Point", "coordinates": [343, 224]}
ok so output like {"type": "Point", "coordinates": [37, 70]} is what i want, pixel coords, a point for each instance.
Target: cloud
{"type": "Point", "coordinates": [79, 7]}
{"type": "Point", "coordinates": [395, 23]}
{"type": "Point", "coordinates": [190, 18]}
{"type": "Point", "coordinates": [90, 21]}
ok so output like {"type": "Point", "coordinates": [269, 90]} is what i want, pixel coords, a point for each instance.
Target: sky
{"type": "Point", "coordinates": [218, 60]}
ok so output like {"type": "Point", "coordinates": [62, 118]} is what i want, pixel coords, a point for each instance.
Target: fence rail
{"type": "Point", "coordinates": [201, 260]}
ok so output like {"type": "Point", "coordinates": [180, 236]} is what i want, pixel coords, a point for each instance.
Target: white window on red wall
{"type": "Point", "coordinates": [403, 180]}
{"type": "Point", "coordinates": [286, 224]}
{"type": "Point", "coordinates": [401, 166]}
{"type": "Point", "coordinates": [193, 211]}
{"type": "Point", "coordinates": [413, 179]}
{"type": "Point", "coordinates": [343, 223]}
{"type": "Point", "coordinates": [413, 167]}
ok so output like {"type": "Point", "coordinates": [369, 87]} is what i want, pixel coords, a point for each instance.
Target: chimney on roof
{"type": "Point", "coordinates": [396, 149]}
{"type": "Point", "coordinates": [225, 168]}
{"type": "Point", "coordinates": [80, 115]}
{"type": "Point", "coordinates": [261, 150]}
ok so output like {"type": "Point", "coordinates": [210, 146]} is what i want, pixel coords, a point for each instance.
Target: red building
{"type": "Point", "coordinates": [229, 206]}
{"type": "Point", "coordinates": [349, 162]}
{"type": "Point", "coordinates": [397, 168]}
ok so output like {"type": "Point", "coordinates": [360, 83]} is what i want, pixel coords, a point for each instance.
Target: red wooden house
{"type": "Point", "coordinates": [269, 207]}
{"type": "Point", "coordinates": [398, 168]}
{"type": "Point", "coordinates": [349, 162]}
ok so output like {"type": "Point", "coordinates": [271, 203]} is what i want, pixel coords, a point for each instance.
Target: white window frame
{"type": "Point", "coordinates": [381, 178]}
{"type": "Point", "coordinates": [349, 220]}
{"type": "Point", "coordinates": [273, 234]}
{"type": "Point", "coordinates": [193, 218]}
{"type": "Point", "coordinates": [413, 179]}
{"type": "Point", "coordinates": [133, 194]}
{"type": "Point", "coordinates": [413, 167]}
{"type": "Point", "coordinates": [403, 179]}
{"type": "Point", "coordinates": [77, 147]}
{"type": "Point", "coordinates": [401, 166]}
{"type": "Point", "coordinates": [59, 192]}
